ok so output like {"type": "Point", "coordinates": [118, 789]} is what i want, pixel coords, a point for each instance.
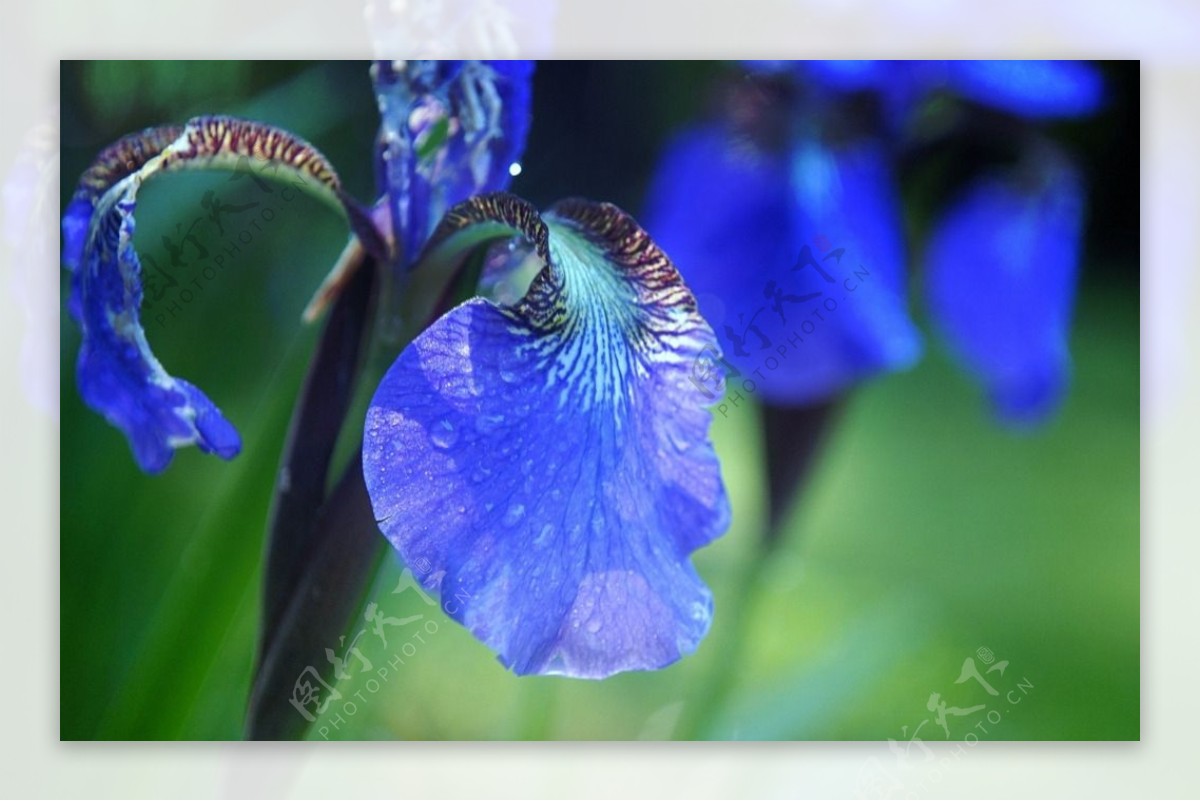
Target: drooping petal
{"type": "Point", "coordinates": [1038, 89]}
{"type": "Point", "coordinates": [450, 129]}
{"type": "Point", "coordinates": [1001, 275]}
{"type": "Point", "coordinates": [551, 459]}
{"type": "Point", "coordinates": [118, 375]}
{"type": "Point", "coordinates": [797, 262]}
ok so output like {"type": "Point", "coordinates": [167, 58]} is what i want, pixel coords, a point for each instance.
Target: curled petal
{"type": "Point", "coordinates": [1001, 275]}
{"type": "Point", "coordinates": [450, 129]}
{"type": "Point", "coordinates": [551, 459]}
{"type": "Point", "coordinates": [797, 262]}
{"type": "Point", "coordinates": [117, 373]}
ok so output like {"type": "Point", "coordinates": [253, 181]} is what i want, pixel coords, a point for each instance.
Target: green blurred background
{"type": "Point", "coordinates": [926, 533]}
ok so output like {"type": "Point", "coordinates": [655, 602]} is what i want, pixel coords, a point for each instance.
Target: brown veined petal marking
{"type": "Point", "coordinates": [117, 374]}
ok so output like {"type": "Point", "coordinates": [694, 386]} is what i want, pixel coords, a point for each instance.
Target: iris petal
{"type": "Point", "coordinates": [1038, 89]}
{"type": "Point", "coordinates": [742, 223]}
{"type": "Point", "coordinates": [551, 459]}
{"type": "Point", "coordinates": [1035, 89]}
{"type": "Point", "coordinates": [117, 373]}
{"type": "Point", "coordinates": [1001, 275]}
{"type": "Point", "coordinates": [450, 129]}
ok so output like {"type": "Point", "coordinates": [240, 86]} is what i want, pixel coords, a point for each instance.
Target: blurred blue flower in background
{"type": "Point", "coordinates": [788, 226]}
{"type": "Point", "coordinates": [1005, 307]}
{"type": "Point", "coordinates": [757, 233]}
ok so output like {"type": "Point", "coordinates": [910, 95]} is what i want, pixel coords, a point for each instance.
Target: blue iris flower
{"type": "Point", "coordinates": [1030, 89]}
{"type": "Point", "coordinates": [116, 371]}
{"type": "Point", "coordinates": [551, 458]}
{"type": "Point", "coordinates": [451, 129]}
{"type": "Point", "coordinates": [771, 242]}
{"type": "Point", "coordinates": [1000, 275]}
{"type": "Point", "coordinates": [548, 456]}
{"type": "Point", "coordinates": [789, 229]}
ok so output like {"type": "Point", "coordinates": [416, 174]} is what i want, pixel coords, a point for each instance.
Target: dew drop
{"type": "Point", "coordinates": [514, 514]}
{"type": "Point", "coordinates": [678, 440]}
{"type": "Point", "coordinates": [444, 434]}
{"type": "Point", "coordinates": [593, 625]}
{"type": "Point", "coordinates": [487, 423]}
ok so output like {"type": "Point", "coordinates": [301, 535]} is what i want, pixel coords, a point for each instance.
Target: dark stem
{"type": "Point", "coordinates": [317, 421]}
{"type": "Point", "coordinates": [795, 436]}
{"type": "Point", "coordinates": [321, 546]}
{"type": "Point", "coordinates": [344, 552]}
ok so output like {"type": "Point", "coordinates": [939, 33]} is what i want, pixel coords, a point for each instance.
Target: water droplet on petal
{"type": "Point", "coordinates": [444, 434]}
{"type": "Point", "coordinates": [593, 625]}
{"type": "Point", "coordinates": [514, 514]}
{"type": "Point", "coordinates": [487, 423]}
{"type": "Point", "coordinates": [678, 440]}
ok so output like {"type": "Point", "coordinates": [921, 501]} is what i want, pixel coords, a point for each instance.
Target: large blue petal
{"type": "Point", "coordinates": [450, 129]}
{"type": "Point", "coordinates": [1039, 89]}
{"type": "Point", "coordinates": [117, 373]}
{"type": "Point", "coordinates": [551, 460]}
{"type": "Point", "coordinates": [741, 222]}
{"type": "Point", "coordinates": [1001, 275]}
